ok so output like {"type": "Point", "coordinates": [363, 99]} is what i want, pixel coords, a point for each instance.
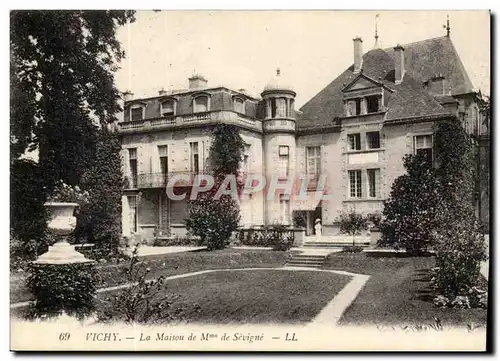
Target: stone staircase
{"type": "Point", "coordinates": [334, 242]}
{"type": "Point", "coordinates": [306, 260]}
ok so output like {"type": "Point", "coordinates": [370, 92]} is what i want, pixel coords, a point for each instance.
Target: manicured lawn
{"type": "Point", "coordinates": [255, 296]}
{"type": "Point", "coordinates": [173, 264]}
{"type": "Point", "coordinates": [397, 293]}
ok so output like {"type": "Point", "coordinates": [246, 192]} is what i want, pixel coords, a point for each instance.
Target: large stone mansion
{"type": "Point", "coordinates": [355, 131]}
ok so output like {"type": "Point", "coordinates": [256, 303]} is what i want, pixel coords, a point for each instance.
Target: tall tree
{"type": "Point", "coordinates": [62, 96]}
{"type": "Point", "coordinates": [62, 79]}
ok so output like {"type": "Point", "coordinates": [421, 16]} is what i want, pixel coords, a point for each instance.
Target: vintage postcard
{"type": "Point", "coordinates": [249, 180]}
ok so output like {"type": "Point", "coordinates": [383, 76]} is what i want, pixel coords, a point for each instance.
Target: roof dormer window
{"type": "Point", "coordinates": [167, 108]}
{"type": "Point", "coordinates": [239, 105]}
{"type": "Point", "coordinates": [201, 103]}
{"type": "Point", "coordinates": [137, 112]}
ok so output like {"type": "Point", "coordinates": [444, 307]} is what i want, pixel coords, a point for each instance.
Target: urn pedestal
{"type": "Point", "coordinates": [62, 280]}
{"type": "Point", "coordinates": [61, 224]}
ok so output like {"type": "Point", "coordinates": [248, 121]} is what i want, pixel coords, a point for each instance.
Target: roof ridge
{"type": "Point", "coordinates": [419, 41]}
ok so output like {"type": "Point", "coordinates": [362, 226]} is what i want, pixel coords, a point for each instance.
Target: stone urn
{"type": "Point", "coordinates": [62, 223]}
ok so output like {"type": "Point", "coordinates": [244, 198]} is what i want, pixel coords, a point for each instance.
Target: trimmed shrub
{"type": "Point", "coordinates": [175, 241]}
{"type": "Point", "coordinates": [279, 237]}
{"type": "Point", "coordinates": [352, 249]}
{"type": "Point", "coordinates": [68, 288]}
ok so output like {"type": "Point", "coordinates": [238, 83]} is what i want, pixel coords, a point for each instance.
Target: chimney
{"type": "Point", "coordinates": [358, 54]}
{"type": "Point", "coordinates": [399, 64]}
{"type": "Point", "coordinates": [127, 95]}
{"type": "Point", "coordinates": [197, 81]}
{"type": "Point", "coordinates": [162, 92]}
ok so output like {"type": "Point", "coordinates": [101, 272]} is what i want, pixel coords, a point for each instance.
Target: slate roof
{"type": "Point", "coordinates": [422, 60]}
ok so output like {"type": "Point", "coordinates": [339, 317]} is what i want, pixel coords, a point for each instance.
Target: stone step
{"type": "Point", "coordinates": [310, 265]}
{"type": "Point", "coordinates": [332, 245]}
{"type": "Point", "coordinates": [309, 256]}
{"type": "Point", "coordinates": [305, 260]}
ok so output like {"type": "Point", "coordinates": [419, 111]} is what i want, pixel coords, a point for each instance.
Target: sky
{"type": "Point", "coordinates": [242, 49]}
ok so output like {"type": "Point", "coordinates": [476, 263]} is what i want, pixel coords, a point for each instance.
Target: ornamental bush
{"type": "Point", "coordinates": [213, 220]}
{"type": "Point", "coordinates": [352, 223]}
{"type": "Point", "coordinates": [409, 215]}
{"type": "Point", "coordinates": [68, 288]}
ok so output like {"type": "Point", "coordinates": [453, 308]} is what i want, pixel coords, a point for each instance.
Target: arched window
{"type": "Point", "coordinates": [201, 103]}
{"type": "Point", "coordinates": [239, 105]}
{"type": "Point", "coordinates": [167, 107]}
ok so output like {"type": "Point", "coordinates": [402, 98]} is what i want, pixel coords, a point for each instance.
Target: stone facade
{"type": "Point", "coordinates": [355, 133]}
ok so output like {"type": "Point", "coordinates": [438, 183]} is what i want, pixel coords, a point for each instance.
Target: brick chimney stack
{"type": "Point", "coordinates": [197, 81]}
{"type": "Point", "coordinates": [399, 64]}
{"type": "Point", "coordinates": [358, 54]}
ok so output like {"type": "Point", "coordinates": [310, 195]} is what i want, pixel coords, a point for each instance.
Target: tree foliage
{"type": "Point", "coordinates": [62, 96]}
{"type": "Point", "coordinates": [99, 221]}
{"type": "Point", "coordinates": [352, 223]}
{"type": "Point", "coordinates": [459, 244]}
{"type": "Point", "coordinates": [409, 215]}
{"type": "Point", "coordinates": [226, 151]}
{"type": "Point", "coordinates": [214, 218]}
{"type": "Point", "coordinates": [62, 78]}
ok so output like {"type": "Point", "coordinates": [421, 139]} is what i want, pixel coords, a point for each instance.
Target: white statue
{"type": "Point", "coordinates": [317, 228]}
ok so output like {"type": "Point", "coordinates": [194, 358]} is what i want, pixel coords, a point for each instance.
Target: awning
{"type": "Point", "coordinates": [308, 204]}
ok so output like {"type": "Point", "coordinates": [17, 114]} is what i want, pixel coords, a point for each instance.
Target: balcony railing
{"type": "Point", "coordinates": [193, 118]}
{"type": "Point", "coordinates": [160, 180]}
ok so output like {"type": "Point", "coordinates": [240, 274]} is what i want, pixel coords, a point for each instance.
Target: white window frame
{"type": "Point", "coordinates": [376, 173]}
{"type": "Point", "coordinates": [317, 159]}
{"type": "Point", "coordinates": [200, 96]}
{"type": "Point", "coordinates": [353, 135]}
{"type": "Point", "coordinates": [426, 146]}
{"type": "Point", "coordinates": [358, 184]}
{"type": "Point", "coordinates": [192, 154]}
{"type": "Point", "coordinates": [284, 209]}
{"type": "Point", "coordinates": [158, 146]}
{"type": "Point", "coordinates": [284, 160]}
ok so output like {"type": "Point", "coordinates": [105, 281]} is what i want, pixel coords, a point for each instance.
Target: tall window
{"type": "Point", "coordinates": [136, 113]}
{"type": "Point", "coordinates": [373, 182]}
{"type": "Point", "coordinates": [239, 105]}
{"type": "Point", "coordinates": [373, 140]}
{"type": "Point", "coordinates": [163, 153]}
{"type": "Point", "coordinates": [355, 183]}
{"type": "Point", "coordinates": [357, 103]}
{"type": "Point", "coordinates": [372, 104]}
{"type": "Point", "coordinates": [423, 144]}
{"type": "Point", "coordinates": [273, 108]}
{"type": "Point", "coordinates": [195, 157]}
{"type": "Point", "coordinates": [132, 213]}
{"type": "Point", "coordinates": [167, 108]}
{"type": "Point", "coordinates": [201, 104]}
{"type": "Point", "coordinates": [283, 160]}
{"type": "Point", "coordinates": [354, 141]}
{"type": "Point", "coordinates": [132, 160]}
{"type": "Point", "coordinates": [313, 162]}
{"type": "Point", "coordinates": [284, 209]}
